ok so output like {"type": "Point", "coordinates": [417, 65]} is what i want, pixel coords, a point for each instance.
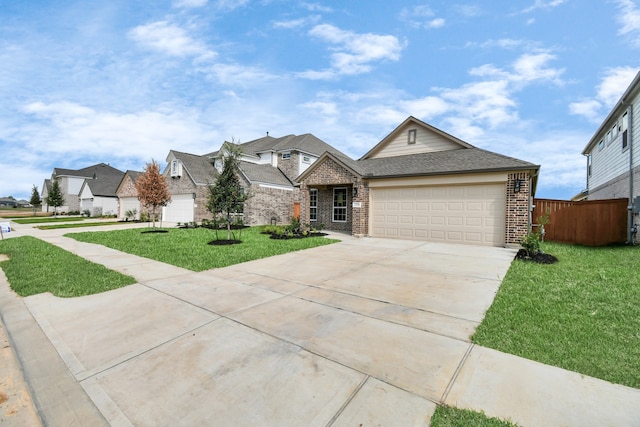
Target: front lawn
{"type": "Point", "coordinates": [188, 248]}
{"type": "Point", "coordinates": [581, 314]}
{"type": "Point", "coordinates": [446, 416]}
{"type": "Point", "coordinates": [35, 266]}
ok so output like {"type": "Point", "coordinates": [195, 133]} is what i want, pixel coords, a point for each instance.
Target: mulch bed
{"type": "Point", "coordinates": [295, 236]}
{"type": "Point", "coordinates": [222, 242]}
{"type": "Point", "coordinates": [155, 231]}
{"type": "Point", "coordinates": [540, 257]}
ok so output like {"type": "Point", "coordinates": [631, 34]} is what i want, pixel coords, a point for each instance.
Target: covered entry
{"type": "Point", "coordinates": [469, 213]}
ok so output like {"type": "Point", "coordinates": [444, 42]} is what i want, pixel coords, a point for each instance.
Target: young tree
{"type": "Point", "coordinates": [55, 197]}
{"type": "Point", "coordinates": [226, 196]}
{"type": "Point", "coordinates": [35, 200]}
{"type": "Point", "coordinates": [152, 188]}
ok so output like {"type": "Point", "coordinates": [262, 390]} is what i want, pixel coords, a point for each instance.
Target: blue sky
{"type": "Point", "coordinates": [125, 81]}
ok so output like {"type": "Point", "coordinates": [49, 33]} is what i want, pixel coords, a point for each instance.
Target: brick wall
{"type": "Point", "coordinates": [267, 202]}
{"type": "Point", "coordinates": [289, 166]}
{"type": "Point", "coordinates": [325, 177]}
{"type": "Point", "coordinates": [518, 205]}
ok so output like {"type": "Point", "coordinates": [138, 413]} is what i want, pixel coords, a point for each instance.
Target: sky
{"type": "Point", "coordinates": [125, 81]}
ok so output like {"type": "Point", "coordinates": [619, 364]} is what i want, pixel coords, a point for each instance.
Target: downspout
{"type": "Point", "coordinates": [631, 198]}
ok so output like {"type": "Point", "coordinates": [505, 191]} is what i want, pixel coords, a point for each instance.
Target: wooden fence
{"type": "Point", "coordinates": [590, 222]}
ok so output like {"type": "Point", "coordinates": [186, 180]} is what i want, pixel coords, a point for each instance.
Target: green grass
{"type": "Point", "coordinates": [41, 220]}
{"type": "Point", "coordinates": [189, 248]}
{"type": "Point", "coordinates": [78, 225]}
{"type": "Point", "coordinates": [446, 416]}
{"type": "Point", "coordinates": [581, 314]}
{"type": "Point", "coordinates": [35, 266]}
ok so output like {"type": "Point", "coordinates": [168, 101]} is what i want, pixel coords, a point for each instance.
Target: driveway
{"type": "Point", "coordinates": [360, 332]}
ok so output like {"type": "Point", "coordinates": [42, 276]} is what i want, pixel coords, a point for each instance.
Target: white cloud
{"type": "Point", "coordinates": [190, 3]}
{"type": "Point", "coordinates": [421, 17]}
{"type": "Point", "coordinates": [315, 7]}
{"type": "Point", "coordinates": [169, 38]}
{"type": "Point", "coordinates": [229, 5]}
{"type": "Point", "coordinates": [72, 131]}
{"type": "Point", "coordinates": [353, 53]}
{"type": "Point", "coordinates": [629, 18]}
{"type": "Point", "coordinates": [240, 75]}
{"type": "Point", "coordinates": [543, 4]}
{"type": "Point", "coordinates": [613, 84]}
{"type": "Point", "coordinates": [297, 23]}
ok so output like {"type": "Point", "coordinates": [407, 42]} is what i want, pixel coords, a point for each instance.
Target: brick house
{"type": "Point", "coordinates": [268, 170]}
{"type": "Point", "coordinates": [424, 184]}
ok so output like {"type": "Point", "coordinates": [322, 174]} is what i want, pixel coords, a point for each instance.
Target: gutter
{"type": "Point", "coordinates": [632, 229]}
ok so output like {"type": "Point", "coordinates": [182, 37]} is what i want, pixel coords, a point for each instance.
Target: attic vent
{"type": "Point", "coordinates": [411, 136]}
{"type": "Point", "coordinates": [176, 169]}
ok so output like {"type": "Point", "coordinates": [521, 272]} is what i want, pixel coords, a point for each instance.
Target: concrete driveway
{"type": "Point", "coordinates": [363, 332]}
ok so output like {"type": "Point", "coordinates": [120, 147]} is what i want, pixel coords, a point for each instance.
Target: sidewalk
{"type": "Point", "coordinates": [258, 344]}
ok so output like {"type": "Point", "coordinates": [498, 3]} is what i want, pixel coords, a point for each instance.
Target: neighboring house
{"type": "Point", "coordinates": [188, 176]}
{"type": "Point", "coordinates": [128, 195]}
{"type": "Point", "coordinates": [424, 184]}
{"type": "Point", "coordinates": [8, 202]}
{"type": "Point", "coordinates": [72, 182]}
{"type": "Point", "coordinates": [98, 194]}
{"type": "Point", "coordinates": [268, 169]}
{"type": "Point", "coordinates": [613, 163]}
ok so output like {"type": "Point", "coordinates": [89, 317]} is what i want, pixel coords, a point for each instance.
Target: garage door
{"type": "Point", "coordinates": [129, 204]}
{"type": "Point", "coordinates": [473, 214]}
{"type": "Point", "coordinates": [180, 209]}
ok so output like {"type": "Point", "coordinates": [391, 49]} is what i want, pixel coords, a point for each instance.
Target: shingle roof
{"type": "Point", "coordinates": [439, 163]}
{"type": "Point", "coordinates": [106, 181]}
{"type": "Point", "coordinates": [87, 172]}
{"type": "Point", "coordinates": [307, 143]}
{"type": "Point", "coordinates": [264, 173]}
{"type": "Point", "coordinates": [199, 168]}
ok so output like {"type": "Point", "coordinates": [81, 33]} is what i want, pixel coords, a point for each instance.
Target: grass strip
{"type": "Point", "coordinates": [78, 225]}
{"type": "Point", "coordinates": [580, 314]}
{"type": "Point", "coordinates": [189, 248]}
{"type": "Point", "coordinates": [447, 416]}
{"type": "Point", "coordinates": [35, 266]}
{"type": "Point", "coordinates": [42, 220]}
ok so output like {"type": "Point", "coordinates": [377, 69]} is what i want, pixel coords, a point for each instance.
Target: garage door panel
{"type": "Point", "coordinates": [180, 209]}
{"type": "Point", "coordinates": [472, 214]}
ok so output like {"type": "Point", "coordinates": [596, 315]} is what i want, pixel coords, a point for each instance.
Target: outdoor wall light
{"type": "Point", "coordinates": [355, 192]}
{"type": "Point", "coordinates": [516, 185]}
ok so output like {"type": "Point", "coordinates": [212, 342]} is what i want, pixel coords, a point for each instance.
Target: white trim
{"type": "Point", "coordinates": [277, 187]}
{"type": "Point", "coordinates": [314, 190]}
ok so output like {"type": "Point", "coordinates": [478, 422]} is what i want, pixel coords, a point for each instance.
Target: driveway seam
{"type": "Point", "coordinates": [454, 377]}
{"type": "Point", "coordinates": [348, 401]}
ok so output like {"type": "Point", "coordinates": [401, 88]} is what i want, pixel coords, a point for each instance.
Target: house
{"type": "Point", "coordinates": [98, 194]}
{"type": "Point", "coordinates": [613, 163]}
{"type": "Point", "coordinates": [268, 170]}
{"type": "Point", "coordinates": [188, 176]}
{"type": "Point", "coordinates": [128, 195]}
{"type": "Point", "coordinates": [8, 202]}
{"type": "Point", "coordinates": [424, 184]}
{"type": "Point", "coordinates": [72, 183]}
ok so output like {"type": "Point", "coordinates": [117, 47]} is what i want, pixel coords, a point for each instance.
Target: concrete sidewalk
{"type": "Point", "coordinates": [364, 332]}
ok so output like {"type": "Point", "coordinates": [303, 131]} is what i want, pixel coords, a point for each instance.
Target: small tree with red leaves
{"type": "Point", "coordinates": [152, 188]}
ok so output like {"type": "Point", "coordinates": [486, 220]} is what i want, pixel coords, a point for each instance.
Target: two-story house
{"type": "Point", "coordinates": [268, 170]}
{"type": "Point", "coordinates": [97, 196]}
{"type": "Point", "coordinates": [613, 159]}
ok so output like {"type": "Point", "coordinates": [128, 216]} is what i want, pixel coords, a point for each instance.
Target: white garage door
{"type": "Point", "coordinates": [129, 204]}
{"type": "Point", "coordinates": [180, 209]}
{"type": "Point", "coordinates": [473, 214]}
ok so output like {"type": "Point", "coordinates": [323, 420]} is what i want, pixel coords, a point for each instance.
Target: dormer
{"type": "Point", "coordinates": [176, 169]}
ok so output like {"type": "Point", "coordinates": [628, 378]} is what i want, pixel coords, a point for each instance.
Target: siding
{"type": "Point", "coordinates": [612, 161]}
{"type": "Point", "coordinates": [426, 142]}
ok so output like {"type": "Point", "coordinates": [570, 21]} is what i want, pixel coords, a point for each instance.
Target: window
{"type": "Point", "coordinates": [601, 145]}
{"type": "Point", "coordinates": [340, 204]}
{"type": "Point", "coordinates": [624, 126]}
{"type": "Point", "coordinates": [313, 204]}
{"type": "Point", "coordinates": [412, 136]}
{"type": "Point", "coordinates": [176, 169]}
{"type": "Point", "coordinates": [589, 165]}
{"type": "Point", "coordinates": [286, 156]}
{"type": "Point", "coordinates": [306, 159]}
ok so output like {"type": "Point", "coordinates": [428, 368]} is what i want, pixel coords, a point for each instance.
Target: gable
{"type": "Point", "coordinates": [415, 137]}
